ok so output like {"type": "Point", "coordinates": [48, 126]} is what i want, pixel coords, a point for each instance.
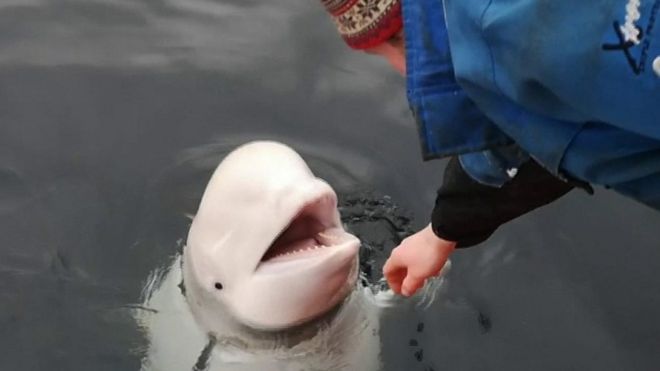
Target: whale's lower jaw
{"type": "Point", "coordinates": [317, 304]}
{"type": "Point", "coordinates": [292, 291]}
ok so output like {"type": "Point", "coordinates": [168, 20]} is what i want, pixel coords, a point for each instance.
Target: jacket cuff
{"type": "Point", "coordinates": [468, 212]}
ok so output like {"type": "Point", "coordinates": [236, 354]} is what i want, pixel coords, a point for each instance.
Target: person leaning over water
{"type": "Point", "coordinates": [528, 98]}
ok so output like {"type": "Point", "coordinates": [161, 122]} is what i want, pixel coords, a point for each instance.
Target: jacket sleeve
{"type": "Point", "coordinates": [468, 212]}
{"type": "Point", "coordinates": [563, 60]}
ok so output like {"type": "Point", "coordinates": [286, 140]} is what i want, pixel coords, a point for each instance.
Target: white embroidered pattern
{"type": "Point", "coordinates": [629, 29]}
{"type": "Point", "coordinates": [363, 16]}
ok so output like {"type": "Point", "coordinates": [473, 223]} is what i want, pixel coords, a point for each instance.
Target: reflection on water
{"type": "Point", "coordinates": [347, 341]}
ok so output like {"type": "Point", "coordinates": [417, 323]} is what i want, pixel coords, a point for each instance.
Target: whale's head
{"type": "Point", "coordinates": [267, 245]}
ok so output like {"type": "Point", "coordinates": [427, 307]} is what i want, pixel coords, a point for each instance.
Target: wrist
{"type": "Point", "coordinates": [438, 241]}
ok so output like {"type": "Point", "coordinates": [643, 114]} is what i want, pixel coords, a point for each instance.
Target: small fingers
{"type": "Point", "coordinates": [394, 273]}
{"type": "Point", "coordinates": [395, 280]}
{"type": "Point", "coordinates": [392, 264]}
{"type": "Point", "coordinates": [411, 284]}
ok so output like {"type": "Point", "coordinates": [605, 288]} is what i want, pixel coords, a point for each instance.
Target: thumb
{"type": "Point", "coordinates": [411, 284]}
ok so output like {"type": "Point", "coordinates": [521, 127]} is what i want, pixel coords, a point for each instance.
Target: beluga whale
{"type": "Point", "coordinates": [267, 244]}
{"type": "Point", "coordinates": [268, 278]}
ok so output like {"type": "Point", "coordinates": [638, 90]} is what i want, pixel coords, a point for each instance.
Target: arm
{"type": "Point", "coordinates": [467, 213]}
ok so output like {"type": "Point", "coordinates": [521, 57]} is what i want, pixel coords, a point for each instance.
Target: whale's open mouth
{"type": "Point", "coordinates": [311, 232]}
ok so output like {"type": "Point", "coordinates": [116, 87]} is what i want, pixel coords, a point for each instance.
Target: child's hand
{"type": "Point", "coordinates": [417, 258]}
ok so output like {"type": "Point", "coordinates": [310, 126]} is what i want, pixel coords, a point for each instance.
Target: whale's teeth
{"type": "Point", "coordinates": [301, 250]}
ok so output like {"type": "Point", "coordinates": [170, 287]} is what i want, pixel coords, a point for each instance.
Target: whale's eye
{"type": "Point", "coordinates": [218, 285]}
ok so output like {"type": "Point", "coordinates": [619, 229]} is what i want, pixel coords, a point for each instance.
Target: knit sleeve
{"type": "Point", "coordinates": [469, 212]}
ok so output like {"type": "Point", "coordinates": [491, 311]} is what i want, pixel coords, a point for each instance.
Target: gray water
{"type": "Point", "coordinates": [114, 112]}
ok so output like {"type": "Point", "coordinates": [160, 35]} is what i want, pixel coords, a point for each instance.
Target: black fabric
{"type": "Point", "coordinates": [469, 212]}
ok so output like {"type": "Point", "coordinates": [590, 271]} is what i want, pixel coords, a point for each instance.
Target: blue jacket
{"type": "Point", "coordinates": [573, 84]}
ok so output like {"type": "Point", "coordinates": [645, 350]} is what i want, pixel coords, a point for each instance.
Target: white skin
{"type": "Point", "coordinates": [422, 255]}
{"type": "Point", "coordinates": [263, 198]}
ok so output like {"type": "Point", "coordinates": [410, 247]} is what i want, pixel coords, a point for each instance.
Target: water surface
{"type": "Point", "coordinates": [114, 112]}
